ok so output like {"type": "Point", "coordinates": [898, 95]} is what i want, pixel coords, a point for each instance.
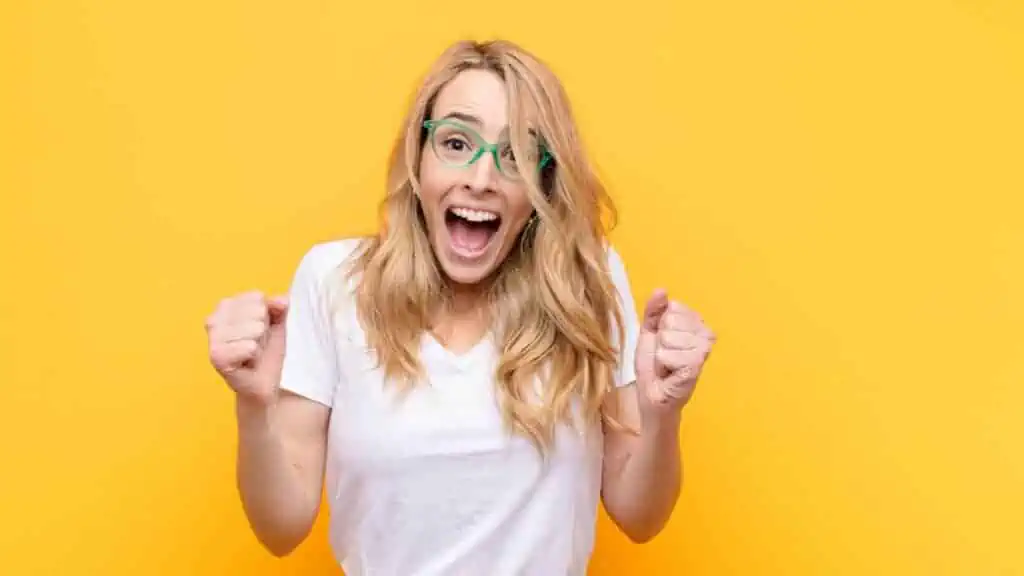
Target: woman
{"type": "Point", "coordinates": [473, 378]}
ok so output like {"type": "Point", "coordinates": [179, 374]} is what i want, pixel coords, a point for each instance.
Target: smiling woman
{"type": "Point", "coordinates": [479, 228]}
{"type": "Point", "coordinates": [473, 379]}
{"type": "Point", "coordinates": [456, 144]}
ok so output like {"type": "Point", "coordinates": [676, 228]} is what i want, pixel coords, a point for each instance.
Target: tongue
{"type": "Point", "coordinates": [468, 236]}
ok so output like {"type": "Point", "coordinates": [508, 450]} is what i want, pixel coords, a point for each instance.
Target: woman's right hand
{"type": "Point", "coordinates": [246, 336]}
{"type": "Point", "coordinates": [282, 438]}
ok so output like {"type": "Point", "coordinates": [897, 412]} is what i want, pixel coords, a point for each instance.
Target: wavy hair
{"type": "Point", "coordinates": [553, 306]}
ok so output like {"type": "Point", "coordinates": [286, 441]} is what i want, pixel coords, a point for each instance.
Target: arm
{"type": "Point", "coordinates": [662, 356]}
{"type": "Point", "coordinates": [642, 470]}
{"type": "Point", "coordinates": [281, 453]}
{"type": "Point", "coordinates": [284, 393]}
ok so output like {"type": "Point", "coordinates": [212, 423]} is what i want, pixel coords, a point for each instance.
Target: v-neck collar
{"type": "Point", "coordinates": [433, 347]}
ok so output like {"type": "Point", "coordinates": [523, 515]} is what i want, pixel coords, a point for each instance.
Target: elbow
{"type": "Point", "coordinates": [281, 540]}
{"type": "Point", "coordinates": [641, 533]}
{"type": "Point", "coordinates": [280, 548]}
{"type": "Point", "coordinates": [639, 523]}
{"type": "Point", "coordinates": [280, 534]}
{"type": "Point", "coordinates": [637, 527]}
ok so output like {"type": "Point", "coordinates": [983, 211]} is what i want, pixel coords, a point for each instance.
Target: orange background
{"type": "Point", "coordinates": [836, 185]}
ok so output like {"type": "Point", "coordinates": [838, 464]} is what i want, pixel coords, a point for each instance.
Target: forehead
{"type": "Point", "coordinates": [480, 94]}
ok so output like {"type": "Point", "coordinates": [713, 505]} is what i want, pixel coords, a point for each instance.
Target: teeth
{"type": "Point", "coordinates": [474, 215]}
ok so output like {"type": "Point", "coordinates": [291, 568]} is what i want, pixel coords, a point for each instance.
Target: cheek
{"type": "Point", "coordinates": [519, 208]}
{"type": "Point", "coordinates": [432, 188]}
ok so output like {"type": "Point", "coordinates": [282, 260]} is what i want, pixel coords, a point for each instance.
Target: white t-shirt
{"type": "Point", "coordinates": [432, 484]}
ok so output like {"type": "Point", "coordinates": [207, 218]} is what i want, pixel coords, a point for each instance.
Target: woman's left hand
{"type": "Point", "coordinates": [671, 350]}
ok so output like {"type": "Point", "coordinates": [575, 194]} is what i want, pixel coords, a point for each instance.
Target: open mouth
{"type": "Point", "coordinates": [471, 231]}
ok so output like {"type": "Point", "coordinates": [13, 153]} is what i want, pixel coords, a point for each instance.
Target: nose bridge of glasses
{"type": "Point", "coordinates": [484, 163]}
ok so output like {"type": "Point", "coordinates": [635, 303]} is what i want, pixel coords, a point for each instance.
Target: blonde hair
{"type": "Point", "coordinates": [552, 300]}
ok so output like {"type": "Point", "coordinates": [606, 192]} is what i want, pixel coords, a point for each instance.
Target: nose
{"type": "Point", "coordinates": [482, 174]}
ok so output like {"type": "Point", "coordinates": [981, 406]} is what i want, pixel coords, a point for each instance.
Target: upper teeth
{"type": "Point", "coordinates": [474, 215]}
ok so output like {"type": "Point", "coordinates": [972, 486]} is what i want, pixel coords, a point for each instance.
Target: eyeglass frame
{"type": "Point", "coordinates": [483, 146]}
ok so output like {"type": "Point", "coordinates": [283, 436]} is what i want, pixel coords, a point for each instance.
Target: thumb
{"type": "Point", "coordinates": [277, 308]}
{"type": "Point", "coordinates": [654, 310]}
{"type": "Point", "coordinates": [647, 342]}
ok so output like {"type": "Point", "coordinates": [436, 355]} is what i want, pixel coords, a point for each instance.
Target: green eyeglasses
{"type": "Point", "coordinates": [458, 145]}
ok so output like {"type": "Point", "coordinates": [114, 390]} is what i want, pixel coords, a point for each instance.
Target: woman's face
{"type": "Point", "coordinates": [474, 213]}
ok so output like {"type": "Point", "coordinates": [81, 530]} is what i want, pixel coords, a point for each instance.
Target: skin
{"type": "Point", "coordinates": [642, 473]}
{"type": "Point", "coordinates": [283, 437]}
{"type": "Point", "coordinates": [478, 99]}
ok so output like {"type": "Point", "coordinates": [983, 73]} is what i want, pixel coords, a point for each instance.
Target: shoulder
{"type": "Point", "coordinates": [322, 272]}
{"type": "Point", "coordinates": [617, 269]}
{"type": "Point", "coordinates": [626, 334]}
{"type": "Point", "coordinates": [322, 258]}
{"type": "Point", "coordinates": [615, 263]}
{"type": "Point", "coordinates": [325, 262]}
{"type": "Point", "coordinates": [322, 290]}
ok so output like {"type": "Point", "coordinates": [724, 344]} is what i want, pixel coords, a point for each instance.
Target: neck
{"type": "Point", "coordinates": [466, 298]}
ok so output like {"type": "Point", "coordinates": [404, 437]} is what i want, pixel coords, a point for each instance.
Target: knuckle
{"type": "Point", "coordinates": [666, 322]}
{"type": "Point", "coordinates": [254, 295]}
{"type": "Point", "coordinates": [248, 347]}
{"type": "Point", "coordinates": [257, 311]}
{"type": "Point", "coordinates": [663, 355]}
{"type": "Point", "coordinates": [217, 356]}
{"type": "Point", "coordinates": [672, 339]}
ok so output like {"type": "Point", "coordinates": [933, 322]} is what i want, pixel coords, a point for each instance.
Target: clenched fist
{"type": "Point", "coordinates": [246, 334]}
{"type": "Point", "coordinates": [673, 345]}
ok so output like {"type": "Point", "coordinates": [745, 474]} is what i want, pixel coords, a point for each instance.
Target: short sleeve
{"type": "Point", "coordinates": [626, 372]}
{"type": "Point", "coordinates": [310, 360]}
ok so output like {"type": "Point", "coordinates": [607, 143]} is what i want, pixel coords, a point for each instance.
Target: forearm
{"type": "Point", "coordinates": [275, 489]}
{"type": "Point", "coordinates": [641, 490]}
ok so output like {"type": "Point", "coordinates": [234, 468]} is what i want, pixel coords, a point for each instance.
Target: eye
{"type": "Point", "coordinates": [455, 144]}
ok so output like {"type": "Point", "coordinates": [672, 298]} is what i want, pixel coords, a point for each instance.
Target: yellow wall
{"type": "Point", "coordinates": [836, 185]}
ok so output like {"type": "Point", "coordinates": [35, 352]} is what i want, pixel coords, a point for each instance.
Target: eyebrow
{"type": "Point", "coordinates": [464, 117]}
{"type": "Point", "coordinates": [471, 119]}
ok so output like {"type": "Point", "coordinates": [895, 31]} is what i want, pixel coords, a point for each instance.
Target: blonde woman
{"type": "Point", "coordinates": [466, 385]}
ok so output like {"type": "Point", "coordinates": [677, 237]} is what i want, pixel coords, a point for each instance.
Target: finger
{"type": "Point", "coordinates": [244, 330]}
{"type": "Point", "coordinates": [671, 360]}
{"type": "Point", "coordinates": [245, 309]}
{"type": "Point", "coordinates": [655, 308]}
{"type": "Point", "coordinates": [681, 321]}
{"type": "Point", "coordinates": [229, 356]}
{"type": "Point", "coordinates": [678, 384]}
{"type": "Point", "coordinates": [680, 340]}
